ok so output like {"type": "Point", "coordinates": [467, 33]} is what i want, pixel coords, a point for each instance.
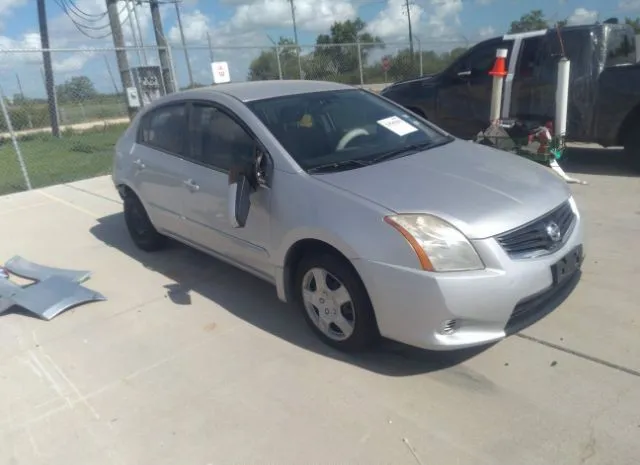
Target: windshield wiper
{"type": "Point", "coordinates": [338, 165]}
{"type": "Point", "coordinates": [409, 149]}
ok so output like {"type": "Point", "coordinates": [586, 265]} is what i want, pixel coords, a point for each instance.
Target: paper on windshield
{"type": "Point", "coordinates": [397, 125]}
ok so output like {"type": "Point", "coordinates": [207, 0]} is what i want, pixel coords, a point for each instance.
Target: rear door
{"type": "Point", "coordinates": [159, 166]}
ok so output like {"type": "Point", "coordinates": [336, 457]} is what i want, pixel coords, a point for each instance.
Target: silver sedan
{"type": "Point", "coordinates": [369, 218]}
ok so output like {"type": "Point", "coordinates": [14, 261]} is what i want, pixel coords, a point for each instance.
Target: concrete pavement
{"type": "Point", "coordinates": [191, 361]}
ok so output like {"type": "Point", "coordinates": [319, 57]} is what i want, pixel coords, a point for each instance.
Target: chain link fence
{"type": "Point", "coordinates": [86, 100]}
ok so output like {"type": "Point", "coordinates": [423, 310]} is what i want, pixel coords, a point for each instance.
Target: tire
{"type": "Point", "coordinates": [358, 329]}
{"type": "Point", "coordinates": [632, 147]}
{"type": "Point", "coordinates": [142, 232]}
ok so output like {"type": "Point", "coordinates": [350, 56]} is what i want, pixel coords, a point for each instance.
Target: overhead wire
{"type": "Point", "coordinates": [67, 7]}
{"type": "Point", "coordinates": [80, 12]}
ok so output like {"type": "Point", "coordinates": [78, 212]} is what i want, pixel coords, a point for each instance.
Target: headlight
{"type": "Point", "coordinates": [439, 245]}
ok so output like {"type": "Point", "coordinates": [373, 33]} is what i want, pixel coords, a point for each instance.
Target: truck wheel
{"type": "Point", "coordinates": [632, 148]}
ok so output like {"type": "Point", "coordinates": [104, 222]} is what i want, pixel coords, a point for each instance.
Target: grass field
{"type": "Point", "coordinates": [36, 115]}
{"type": "Point", "coordinates": [76, 155]}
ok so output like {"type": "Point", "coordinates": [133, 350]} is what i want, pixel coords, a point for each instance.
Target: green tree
{"type": "Point", "coordinates": [76, 89]}
{"type": "Point", "coordinates": [336, 54]}
{"type": "Point", "coordinates": [634, 23]}
{"type": "Point", "coordinates": [265, 66]}
{"type": "Point", "coordinates": [533, 21]}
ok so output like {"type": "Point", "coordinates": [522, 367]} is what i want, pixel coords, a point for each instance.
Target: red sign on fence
{"type": "Point", "coordinates": [386, 64]}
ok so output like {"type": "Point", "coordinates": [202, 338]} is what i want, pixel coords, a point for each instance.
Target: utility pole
{"type": "Point", "coordinates": [20, 86]}
{"type": "Point", "coordinates": [184, 43]}
{"type": "Point", "coordinates": [113, 81]}
{"type": "Point", "coordinates": [211, 57]}
{"type": "Point", "coordinates": [410, 29]}
{"type": "Point", "coordinates": [133, 31]}
{"type": "Point", "coordinates": [135, 16]}
{"type": "Point", "coordinates": [121, 53]}
{"type": "Point", "coordinates": [277, 49]}
{"type": "Point", "coordinates": [210, 47]}
{"type": "Point", "coordinates": [295, 36]}
{"type": "Point", "coordinates": [48, 69]}
{"type": "Point", "coordinates": [165, 60]}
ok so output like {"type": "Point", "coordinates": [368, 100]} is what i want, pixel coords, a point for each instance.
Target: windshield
{"type": "Point", "coordinates": [344, 129]}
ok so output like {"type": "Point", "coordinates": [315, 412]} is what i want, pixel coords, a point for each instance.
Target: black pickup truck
{"type": "Point", "coordinates": [604, 96]}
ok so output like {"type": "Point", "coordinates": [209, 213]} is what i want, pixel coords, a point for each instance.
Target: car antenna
{"type": "Point", "coordinates": [562, 53]}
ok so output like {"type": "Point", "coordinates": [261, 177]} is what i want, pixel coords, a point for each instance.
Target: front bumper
{"type": "Point", "coordinates": [420, 308]}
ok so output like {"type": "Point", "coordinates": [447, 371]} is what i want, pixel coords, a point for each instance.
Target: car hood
{"type": "Point", "coordinates": [480, 190]}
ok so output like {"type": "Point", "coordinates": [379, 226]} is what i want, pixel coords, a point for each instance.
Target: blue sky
{"type": "Point", "coordinates": [240, 28]}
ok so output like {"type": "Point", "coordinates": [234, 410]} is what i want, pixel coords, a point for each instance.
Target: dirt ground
{"type": "Point", "coordinates": [190, 361]}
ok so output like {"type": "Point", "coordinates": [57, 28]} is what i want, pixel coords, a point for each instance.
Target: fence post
{"type": "Point", "coordinates": [172, 70]}
{"type": "Point", "coordinates": [279, 64]}
{"type": "Point", "coordinates": [14, 140]}
{"type": "Point", "coordinates": [360, 62]}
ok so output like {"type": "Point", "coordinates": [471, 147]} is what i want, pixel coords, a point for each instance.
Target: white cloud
{"type": "Point", "coordinates": [582, 16]}
{"type": "Point", "coordinates": [437, 19]}
{"type": "Point", "coordinates": [629, 5]}
{"type": "Point", "coordinates": [72, 63]}
{"type": "Point", "coordinates": [311, 15]}
{"type": "Point", "coordinates": [7, 6]}
{"type": "Point", "coordinates": [485, 32]}
{"type": "Point", "coordinates": [195, 26]}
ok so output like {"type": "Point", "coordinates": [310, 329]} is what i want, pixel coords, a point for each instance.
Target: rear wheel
{"type": "Point", "coordinates": [632, 146]}
{"type": "Point", "coordinates": [142, 232]}
{"type": "Point", "coordinates": [335, 302]}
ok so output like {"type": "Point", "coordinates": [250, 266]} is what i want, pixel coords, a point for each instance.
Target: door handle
{"type": "Point", "coordinates": [139, 164]}
{"type": "Point", "coordinates": [190, 183]}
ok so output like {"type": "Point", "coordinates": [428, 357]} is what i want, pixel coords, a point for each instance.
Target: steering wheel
{"type": "Point", "coordinates": [349, 136]}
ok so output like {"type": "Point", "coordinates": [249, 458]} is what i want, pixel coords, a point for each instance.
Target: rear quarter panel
{"type": "Point", "coordinates": [618, 97]}
{"type": "Point", "coordinates": [122, 154]}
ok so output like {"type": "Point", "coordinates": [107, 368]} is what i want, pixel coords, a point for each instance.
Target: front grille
{"type": "Point", "coordinates": [536, 236]}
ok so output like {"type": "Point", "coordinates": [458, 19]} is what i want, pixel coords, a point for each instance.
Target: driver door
{"type": "Point", "coordinates": [219, 140]}
{"type": "Point", "coordinates": [464, 100]}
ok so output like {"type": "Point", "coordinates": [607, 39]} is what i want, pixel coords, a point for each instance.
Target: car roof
{"type": "Point", "coordinates": [259, 90]}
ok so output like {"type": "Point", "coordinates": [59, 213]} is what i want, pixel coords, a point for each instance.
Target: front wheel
{"type": "Point", "coordinates": [335, 303]}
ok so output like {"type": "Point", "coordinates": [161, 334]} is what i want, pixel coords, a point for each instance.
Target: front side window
{"type": "Point", "coordinates": [480, 59]}
{"type": "Point", "coordinates": [165, 128]}
{"type": "Point", "coordinates": [346, 128]}
{"type": "Point", "coordinates": [217, 139]}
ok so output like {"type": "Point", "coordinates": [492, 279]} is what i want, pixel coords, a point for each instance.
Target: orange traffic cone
{"type": "Point", "coordinates": [500, 65]}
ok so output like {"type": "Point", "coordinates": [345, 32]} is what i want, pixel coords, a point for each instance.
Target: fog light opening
{"type": "Point", "coordinates": [449, 327]}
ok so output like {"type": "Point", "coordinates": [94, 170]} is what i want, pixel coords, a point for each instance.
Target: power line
{"type": "Point", "coordinates": [89, 16]}
{"type": "Point", "coordinates": [83, 28]}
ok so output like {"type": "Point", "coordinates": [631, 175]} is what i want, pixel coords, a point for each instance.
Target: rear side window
{"type": "Point", "coordinates": [621, 47]}
{"type": "Point", "coordinates": [529, 57]}
{"type": "Point", "coordinates": [165, 129]}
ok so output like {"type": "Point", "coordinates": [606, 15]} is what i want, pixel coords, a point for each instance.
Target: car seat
{"type": "Point", "coordinates": [306, 141]}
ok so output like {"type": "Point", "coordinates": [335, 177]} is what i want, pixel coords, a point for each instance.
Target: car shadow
{"type": "Point", "coordinates": [596, 160]}
{"type": "Point", "coordinates": [255, 301]}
